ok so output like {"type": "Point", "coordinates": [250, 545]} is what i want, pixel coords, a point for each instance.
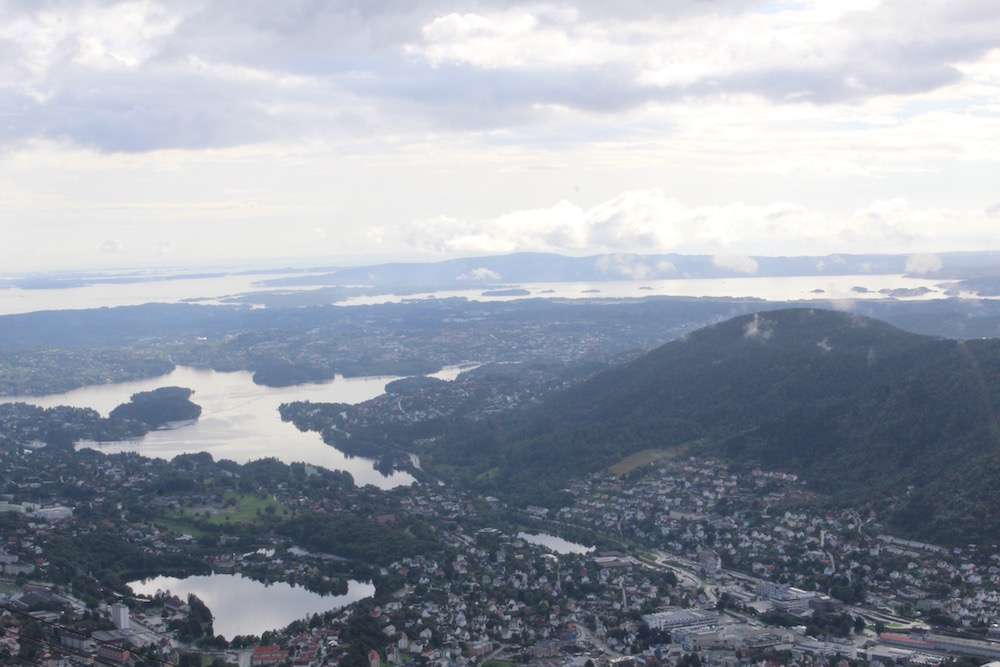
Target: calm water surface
{"type": "Point", "coordinates": [212, 290]}
{"type": "Point", "coordinates": [785, 288]}
{"type": "Point", "coordinates": [556, 544]}
{"type": "Point", "coordinates": [242, 606]}
{"type": "Point", "coordinates": [239, 419]}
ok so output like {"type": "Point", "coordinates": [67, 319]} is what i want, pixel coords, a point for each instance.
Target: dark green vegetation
{"type": "Point", "coordinates": [27, 369]}
{"type": "Point", "coordinates": [158, 407]}
{"type": "Point", "coordinates": [413, 409]}
{"type": "Point", "coordinates": [131, 513]}
{"type": "Point", "coordinates": [60, 427]}
{"type": "Point", "coordinates": [865, 412]}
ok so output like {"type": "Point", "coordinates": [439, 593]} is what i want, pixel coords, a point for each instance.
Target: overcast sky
{"type": "Point", "coordinates": [176, 132]}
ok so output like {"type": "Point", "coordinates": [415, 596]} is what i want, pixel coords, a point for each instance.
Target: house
{"type": "Point", "coordinates": [268, 655]}
{"type": "Point", "coordinates": [112, 654]}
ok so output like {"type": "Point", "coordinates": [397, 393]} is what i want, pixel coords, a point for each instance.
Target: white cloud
{"type": "Point", "coordinates": [923, 264]}
{"type": "Point", "coordinates": [730, 128]}
{"type": "Point", "coordinates": [758, 327]}
{"type": "Point", "coordinates": [112, 246]}
{"type": "Point", "coordinates": [650, 222]}
{"type": "Point", "coordinates": [481, 274]}
{"type": "Point", "coordinates": [628, 266]}
{"type": "Point", "coordinates": [736, 263]}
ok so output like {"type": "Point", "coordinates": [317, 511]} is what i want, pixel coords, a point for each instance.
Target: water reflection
{"type": "Point", "coordinates": [239, 420]}
{"type": "Point", "coordinates": [242, 606]}
{"type": "Point", "coordinates": [556, 544]}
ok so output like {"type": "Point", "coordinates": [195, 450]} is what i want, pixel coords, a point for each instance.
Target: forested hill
{"type": "Point", "coordinates": [864, 411]}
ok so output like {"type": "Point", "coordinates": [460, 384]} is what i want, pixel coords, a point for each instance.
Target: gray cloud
{"type": "Point", "coordinates": [199, 74]}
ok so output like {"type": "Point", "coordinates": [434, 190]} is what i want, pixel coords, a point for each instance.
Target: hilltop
{"type": "Point", "coordinates": [865, 412]}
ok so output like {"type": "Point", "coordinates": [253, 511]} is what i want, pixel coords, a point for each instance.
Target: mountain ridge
{"type": "Point", "coordinates": [865, 412]}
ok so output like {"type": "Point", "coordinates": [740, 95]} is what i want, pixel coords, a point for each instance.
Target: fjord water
{"type": "Point", "coordinates": [237, 602]}
{"type": "Point", "coordinates": [239, 419]}
{"type": "Point", "coordinates": [238, 288]}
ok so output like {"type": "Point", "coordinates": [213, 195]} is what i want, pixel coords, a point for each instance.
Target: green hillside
{"type": "Point", "coordinates": [864, 411]}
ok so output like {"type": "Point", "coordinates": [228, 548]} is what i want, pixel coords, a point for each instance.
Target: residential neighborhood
{"type": "Point", "coordinates": [678, 557]}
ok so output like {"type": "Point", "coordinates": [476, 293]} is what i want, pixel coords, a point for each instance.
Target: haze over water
{"type": "Point", "coordinates": [216, 289]}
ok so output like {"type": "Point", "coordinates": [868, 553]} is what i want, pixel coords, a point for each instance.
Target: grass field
{"type": "Point", "coordinates": [235, 508]}
{"type": "Point", "coordinates": [645, 457]}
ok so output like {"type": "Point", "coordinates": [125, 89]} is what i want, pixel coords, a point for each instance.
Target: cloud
{"type": "Point", "coordinates": [112, 246]}
{"type": "Point", "coordinates": [759, 328]}
{"type": "Point", "coordinates": [923, 264]}
{"type": "Point", "coordinates": [893, 219]}
{"type": "Point", "coordinates": [714, 127]}
{"type": "Point", "coordinates": [482, 274]}
{"type": "Point", "coordinates": [632, 267]}
{"type": "Point", "coordinates": [648, 221]}
{"type": "Point", "coordinates": [736, 263]}
{"type": "Point", "coordinates": [139, 76]}
{"type": "Point", "coordinates": [825, 345]}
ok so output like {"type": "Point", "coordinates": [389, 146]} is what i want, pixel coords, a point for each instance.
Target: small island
{"type": "Point", "coordinates": [159, 407]}
{"type": "Point", "coordinates": [513, 291]}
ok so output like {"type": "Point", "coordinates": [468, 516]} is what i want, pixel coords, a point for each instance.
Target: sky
{"type": "Point", "coordinates": [189, 133]}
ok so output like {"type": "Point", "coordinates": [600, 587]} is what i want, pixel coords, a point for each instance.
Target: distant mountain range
{"type": "Point", "coordinates": [547, 267]}
{"type": "Point", "coordinates": [865, 412]}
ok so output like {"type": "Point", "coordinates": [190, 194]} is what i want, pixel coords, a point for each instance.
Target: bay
{"type": "Point", "coordinates": [242, 606]}
{"type": "Point", "coordinates": [780, 288]}
{"type": "Point", "coordinates": [238, 287]}
{"type": "Point", "coordinates": [239, 419]}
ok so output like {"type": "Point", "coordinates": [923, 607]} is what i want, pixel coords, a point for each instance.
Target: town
{"type": "Point", "coordinates": [664, 561]}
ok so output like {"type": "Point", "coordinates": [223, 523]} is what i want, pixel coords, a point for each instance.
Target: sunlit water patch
{"type": "Point", "coordinates": [239, 420]}
{"type": "Point", "coordinates": [556, 544]}
{"type": "Point", "coordinates": [242, 606]}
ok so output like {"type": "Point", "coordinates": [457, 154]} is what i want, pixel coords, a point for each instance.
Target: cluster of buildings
{"type": "Point", "coordinates": [483, 591]}
{"type": "Point", "coordinates": [755, 523]}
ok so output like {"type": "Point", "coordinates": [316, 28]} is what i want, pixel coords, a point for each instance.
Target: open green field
{"type": "Point", "coordinates": [246, 508]}
{"type": "Point", "coordinates": [178, 525]}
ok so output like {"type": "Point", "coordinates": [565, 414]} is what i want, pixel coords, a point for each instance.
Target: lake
{"type": "Point", "coordinates": [239, 419]}
{"type": "Point", "coordinates": [553, 543]}
{"type": "Point", "coordinates": [242, 606]}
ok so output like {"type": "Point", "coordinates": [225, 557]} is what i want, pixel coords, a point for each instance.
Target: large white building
{"type": "Point", "coordinates": [680, 618]}
{"type": "Point", "coordinates": [120, 616]}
